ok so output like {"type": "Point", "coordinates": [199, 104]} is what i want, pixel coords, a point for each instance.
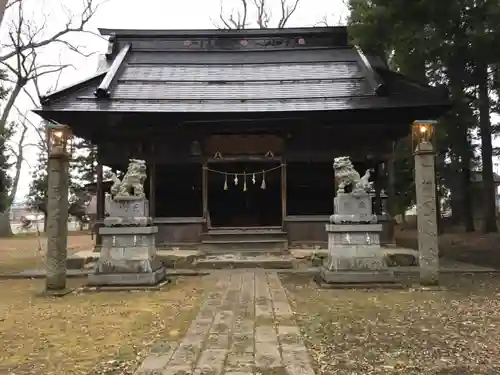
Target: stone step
{"type": "Point", "coordinates": [248, 240]}
{"type": "Point", "coordinates": [245, 229]}
{"type": "Point", "coordinates": [229, 261]}
{"type": "Point", "coordinates": [251, 246]}
{"type": "Point", "coordinates": [239, 241]}
{"type": "Point", "coordinates": [243, 235]}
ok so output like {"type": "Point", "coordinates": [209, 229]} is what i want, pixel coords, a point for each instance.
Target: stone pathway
{"type": "Point", "coordinates": [245, 326]}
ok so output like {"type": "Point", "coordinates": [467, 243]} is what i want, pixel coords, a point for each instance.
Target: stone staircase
{"type": "Point", "coordinates": [246, 241]}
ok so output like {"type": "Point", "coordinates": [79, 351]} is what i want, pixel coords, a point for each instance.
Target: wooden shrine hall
{"type": "Point", "coordinates": [239, 128]}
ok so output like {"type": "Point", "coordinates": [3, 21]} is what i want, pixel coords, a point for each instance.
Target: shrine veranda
{"type": "Point", "coordinates": [239, 128]}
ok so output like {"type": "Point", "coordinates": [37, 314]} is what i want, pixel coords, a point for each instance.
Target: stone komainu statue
{"type": "Point", "coordinates": [346, 175]}
{"type": "Point", "coordinates": [132, 184]}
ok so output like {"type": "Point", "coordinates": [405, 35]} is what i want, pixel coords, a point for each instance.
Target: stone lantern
{"type": "Point", "coordinates": [425, 186]}
{"type": "Point", "coordinates": [59, 153]}
{"type": "Point", "coordinates": [59, 140]}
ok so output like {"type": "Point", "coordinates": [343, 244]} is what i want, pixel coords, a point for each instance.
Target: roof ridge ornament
{"type": "Point", "coordinates": [103, 91]}
{"type": "Point", "coordinates": [371, 75]}
{"type": "Point", "coordinates": [111, 46]}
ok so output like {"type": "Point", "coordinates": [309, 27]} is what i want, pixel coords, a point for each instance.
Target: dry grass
{"type": "Point", "coordinates": [90, 333]}
{"type": "Point", "coordinates": [21, 252]}
{"type": "Point", "coordinates": [402, 331]}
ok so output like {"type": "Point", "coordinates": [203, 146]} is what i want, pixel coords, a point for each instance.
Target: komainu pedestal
{"type": "Point", "coordinates": [128, 254]}
{"type": "Point", "coordinates": [354, 252]}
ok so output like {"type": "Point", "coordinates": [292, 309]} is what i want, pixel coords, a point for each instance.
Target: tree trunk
{"type": "Point", "coordinates": [488, 185]}
{"type": "Point", "coordinates": [467, 197]}
{"type": "Point", "coordinates": [5, 228]}
{"type": "Point", "coordinates": [45, 222]}
{"type": "Point", "coordinates": [457, 74]}
{"type": "Point", "coordinates": [438, 207]}
{"type": "Point", "coordinates": [453, 182]}
{"type": "Point", "coordinates": [391, 208]}
{"type": "Point", "coordinates": [3, 5]}
{"type": "Point", "coordinates": [9, 104]}
{"type": "Point", "coordinates": [18, 166]}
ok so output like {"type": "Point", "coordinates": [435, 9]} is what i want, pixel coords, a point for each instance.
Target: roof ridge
{"type": "Point", "coordinates": [223, 32]}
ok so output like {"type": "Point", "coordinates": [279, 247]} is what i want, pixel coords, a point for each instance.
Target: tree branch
{"type": "Point", "coordinates": [238, 20]}
{"type": "Point", "coordinates": [12, 3]}
{"type": "Point", "coordinates": [89, 9]}
{"type": "Point", "coordinates": [286, 12]}
{"type": "Point", "coordinates": [263, 14]}
{"type": "Point", "coordinates": [18, 164]}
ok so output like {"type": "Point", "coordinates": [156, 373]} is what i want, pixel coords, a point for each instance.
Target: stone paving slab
{"type": "Point", "coordinates": [41, 273]}
{"type": "Point", "coordinates": [445, 266]}
{"type": "Point", "coordinates": [239, 330]}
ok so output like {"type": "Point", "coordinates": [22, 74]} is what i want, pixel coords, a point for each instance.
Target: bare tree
{"type": "Point", "coordinates": [26, 43]}
{"type": "Point", "coordinates": [11, 149]}
{"type": "Point", "coordinates": [327, 21]}
{"type": "Point", "coordinates": [21, 58]}
{"type": "Point", "coordinates": [33, 36]}
{"type": "Point", "coordinates": [17, 150]}
{"type": "Point", "coordinates": [238, 18]}
{"type": "Point", "coordinates": [4, 5]}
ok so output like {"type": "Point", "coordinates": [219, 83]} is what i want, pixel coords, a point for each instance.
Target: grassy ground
{"type": "Point", "coordinates": [401, 331]}
{"type": "Point", "coordinates": [90, 333]}
{"type": "Point", "coordinates": [23, 252]}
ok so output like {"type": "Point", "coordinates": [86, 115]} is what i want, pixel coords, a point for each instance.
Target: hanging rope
{"type": "Point", "coordinates": [244, 174]}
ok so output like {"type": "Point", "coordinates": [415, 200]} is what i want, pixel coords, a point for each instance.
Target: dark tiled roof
{"type": "Point", "coordinates": [152, 71]}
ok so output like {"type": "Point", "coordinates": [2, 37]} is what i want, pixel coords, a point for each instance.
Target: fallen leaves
{"type": "Point", "coordinates": [454, 331]}
{"type": "Point", "coordinates": [90, 333]}
{"type": "Point", "coordinates": [20, 253]}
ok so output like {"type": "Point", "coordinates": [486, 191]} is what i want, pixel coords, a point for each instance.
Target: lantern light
{"type": "Point", "coordinates": [59, 139]}
{"type": "Point", "coordinates": [422, 132]}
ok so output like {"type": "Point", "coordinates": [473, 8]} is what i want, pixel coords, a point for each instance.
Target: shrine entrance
{"type": "Point", "coordinates": [244, 194]}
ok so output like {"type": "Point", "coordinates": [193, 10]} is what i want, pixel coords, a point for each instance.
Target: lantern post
{"type": "Point", "coordinates": [59, 153]}
{"type": "Point", "coordinates": [425, 186]}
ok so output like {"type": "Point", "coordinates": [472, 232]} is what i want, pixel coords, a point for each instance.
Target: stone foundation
{"type": "Point", "coordinates": [128, 253]}
{"type": "Point", "coordinates": [127, 279]}
{"type": "Point", "coordinates": [354, 252]}
{"type": "Point", "coordinates": [355, 277]}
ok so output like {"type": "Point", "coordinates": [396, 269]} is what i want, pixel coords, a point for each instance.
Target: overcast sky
{"type": "Point", "coordinates": [143, 14]}
{"type": "Point", "coordinates": [133, 14]}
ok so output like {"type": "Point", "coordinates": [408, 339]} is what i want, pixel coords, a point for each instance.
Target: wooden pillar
{"type": "Point", "coordinates": [378, 187]}
{"type": "Point", "coordinates": [283, 192]}
{"type": "Point", "coordinates": [152, 188]}
{"type": "Point", "coordinates": [390, 184]}
{"type": "Point", "coordinates": [204, 192]}
{"type": "Point", "coordinates": [100, 204]}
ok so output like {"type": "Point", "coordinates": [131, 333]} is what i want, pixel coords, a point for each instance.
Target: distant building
{"type": "Point", "coordinates": [477, 197]}
{"type": "Point", "coordinates": [21, 209]}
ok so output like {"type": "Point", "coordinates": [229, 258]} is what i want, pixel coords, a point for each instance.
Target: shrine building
{"type": "Point", "coordinates": [239, 128]}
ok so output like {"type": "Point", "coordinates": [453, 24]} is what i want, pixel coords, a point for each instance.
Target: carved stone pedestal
{"type": "Point", "coordinates": [353, 208]}
{"type": "Point", "coordinates": [354, 255]}
{"type": "Point", "coordinates": [128, 254]}
{"type": "Point", "coordinates": [354, 252]}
